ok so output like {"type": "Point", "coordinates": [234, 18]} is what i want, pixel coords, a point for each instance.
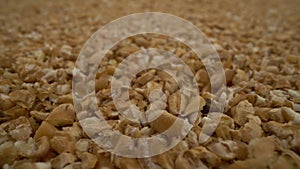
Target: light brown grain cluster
{"type": "Point", "coordinates": [259, 127]}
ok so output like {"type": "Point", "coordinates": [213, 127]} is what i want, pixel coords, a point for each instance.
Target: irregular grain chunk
{"type": "Point", "coordinates": [288, 159]}
{"type": "Point", "coordinates": [127, 163]}
{"type": "Point", "coordinates": [62, 115]}
{"type": "Point", "coordinates": [8, 153]}
{"type": "Point", "coordinates": [262, 148]}
{"type": "Point", "coordinates": [24, 98]}
{"type": "Point", "coordinates": [241, 111]}
{"type": "Point", "coordinates": [290, 115]}
{"type": "Point", "coordinates": [62, 160]}
{"type": "Point", "coordinates": [251, 130]}
{"type": "Point", "coordinates": [88, 160]}
{"type": "Point", "coordinates": [45, 129]}
{"type": "Point", "coordinates": [21, 132]}
{"type": "Point", "coordinates": [224, 149]}
{"type": "Point", "coordinates": [63, 143]}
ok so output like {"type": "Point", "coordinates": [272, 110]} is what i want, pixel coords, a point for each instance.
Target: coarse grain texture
{"type": "Point", "coordinates": [258, 44]}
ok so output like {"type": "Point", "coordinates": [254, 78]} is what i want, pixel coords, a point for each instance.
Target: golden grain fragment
{"type": "Point", "coordinates": [141, 41]}
{"type": "Point", "coordinates": [295, 143]}
{"type": "Point", "coordinates": [251, 130]}
{"type": "Point", "coordinates": [39, 115]}
{"type": "Point", "coordinates": [290, 115]}
{"type": "Point", "coordinates": [192, 106]}
{"type": "Point", "coordinates": [164, 160]}
{"type": "Point", "coordinates": [16, 112]}
{"type": "Point", "coordinates": [206, 156]}
{"type": "Point", "coordinates": [262, 113]}
{"type": "Point", "coordinates": [82, 145]}
{"type": "Point", "coordinates": [6, 103]}
{"type": "Point", "coordinates": [240, 76]}
{"type": "Point", "coordinates": [66, 52]}
{"type": "Point", "coordinates": [23, 98]}
{"type": "Point", "coordinates": [278, 97]}
{"type": "Point", "coordinates": [62, 143]}
{"type": "Point", "coordinates": [75, 131]}
{"type": "Point", "coordinates": [63, 89]}
{"type": "Point", "coordinates": [276, 115]}
{"type": "Point", "coordinates": [4, 137]}
{"type": "Point", "coordinates": [32, 165]}
{"type": "Point", "coordinates": [294, 94]}
{"type": "Point", "coordinates": [101, 83]}
{"type": "Point", "coordinates": [8, 153]}
{"type": "Point", "coordinates": [62, 160]}
{"type": "Point", "coordinates": [241, 111]}
{"type": "Point", "coordinates": [146, 77]}
{"type": "Point", "coordinates": [64, 99]}
{"type": "Point", "coordinates": [288, 159]}
{"type": "Point", "coordinates": [202, 76]}
{"type": "Point", "coordinates": [171, 85]}
{"type": "Point", "coordinates": [226, 133]}
{"type": "Point", "coordinates": [127, 50]}
{"type": "Point", "coordinates": [279, 129]}
{"type": "Point", "coordinates": [45, 129]}
{"type": "Point", "coordinates": [127, 163]}
{"type": "Point", "coordinates": [88, 160]}
{"type": "Point", "coordinates": [174, 103]}
{"type": "Point", "coordinates": [62, 115]}
{"type": "Point", "coordinates": [248, 164]}
{"type": "Point", "coordinates": [165, 121]}
{"type": "Point", "coordinates": [186, 160]}
{"type": "Point", "coordinates": [262, 148]}
{"type": "Point", "coordinates": [224, 149]}
{"type": "Point", "coordinates": [292, 59]}
{"type": "Point", "coordinates": [33, 149]}
{"type": "Point", "coordinates": [76, 165]}
{"type": "Point", "coordinates": [21, 132]}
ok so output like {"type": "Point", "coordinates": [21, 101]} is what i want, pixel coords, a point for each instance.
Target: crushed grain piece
{"type": "Point", "coordinates": [251, 130]}
{"type": "Point", "coordinates": [241, 111]}
{"type": "Point", "coordinates": [290, 115]}
{"type": "Point", "coordinates": [62, 160]}
{"type": "Point", "coordinates": [6, 103]}
{"type": "Point", "coordinates": [21, 132]}
{"type": "Point", "coordinates": [8, 153]}
{"type": "Point", "coordinates": [88, 160]}
{"type": "Point", "coordinates": [45, 129]}
{"type": "Point", "coordinates": [39, 115]}
{"type": "Point", "coordinates": [62, 144]}
{"type": "Point", "coordinates": [224, 149]}
{"type": "Point", "coordinates": [62, 115]}
{"type": "Point", "coordinates": [23, 98]}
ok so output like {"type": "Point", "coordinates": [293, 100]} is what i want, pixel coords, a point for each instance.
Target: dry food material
{"type": "Point", "coordinates": [62, 143]}
{"type": "Point", "coordinates": [23, 98]}
{"type": "Point", "coordinates": [21, 132]}
{"type": "Point", "coordinates": [45, 129]}
{"type": "Point", "coordinates": [32, 149]}
{"type": "Point", "coordinates": [262, 148]}
{"type": "Point", "coordinates": [37, 165]}
{"type": "Point", "coordinates": [8, 153]}
{"type": "Point", "coordinates": [241, 111]}
{"type": "Point", "coordinates": [66, 52]}
{"type": "Point", "coordinates": [287, 159]}
{"type": "Point", "coordinates": [127, 163]}
{"type": "Point", "coordinates": [62, 115]}
{"type": "Point", "coordinates": [251, 130]}
{"type": "Point", "coordinates": [185, 160]}
{"type": "Point", "coordinates": [290, 115]}
{"type": "Point", "coordinates": [89, 160]}
{"type": "Point", "coordinates": [6, 103]}
{"type": "Point", "coordinates": [259, 127]}
{"type": "Point", "coordinates": [62, 160]}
